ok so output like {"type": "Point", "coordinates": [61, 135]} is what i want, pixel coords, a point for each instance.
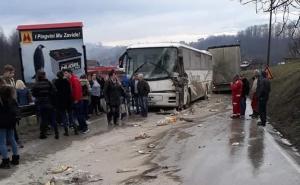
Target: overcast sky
{"type": "Point", "coordinates": [114, 22]}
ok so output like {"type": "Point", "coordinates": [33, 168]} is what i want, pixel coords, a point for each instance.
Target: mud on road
{"type": "Point", "coordinates": [106, 155]}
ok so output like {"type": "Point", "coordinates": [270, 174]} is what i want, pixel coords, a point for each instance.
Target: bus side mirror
{"type": "Point", "coordinates": [121, 63]}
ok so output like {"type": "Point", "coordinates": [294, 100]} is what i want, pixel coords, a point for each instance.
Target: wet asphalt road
{"type": "Point", "coordinates": [222, 151]}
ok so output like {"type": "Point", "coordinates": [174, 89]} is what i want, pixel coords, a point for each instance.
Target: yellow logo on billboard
{"type": "Point", "coordinates": [26, 37]}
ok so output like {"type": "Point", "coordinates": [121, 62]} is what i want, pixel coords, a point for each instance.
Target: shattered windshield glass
{"type": "Point", "coordinates": [153, 63]}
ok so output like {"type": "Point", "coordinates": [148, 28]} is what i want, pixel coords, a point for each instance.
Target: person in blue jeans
{"type": "Point", "coordinates": [8, 117]}
{"type": "Point", "coordinates": [77, 103]}
{"type": "Point", "coordinates": [143, 91]}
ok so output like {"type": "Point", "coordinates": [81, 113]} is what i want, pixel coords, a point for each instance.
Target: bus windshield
{"type": "Point", "coordinates": [153, 63]}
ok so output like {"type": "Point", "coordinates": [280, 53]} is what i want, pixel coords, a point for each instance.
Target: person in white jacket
{"type": "Point", "coordinates": [253, 95]}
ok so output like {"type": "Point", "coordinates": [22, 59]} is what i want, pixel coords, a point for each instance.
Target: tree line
{"type": "Point", "coordinates": [253, 41]}
{"type": "Point", "coordinates": [9, 51]}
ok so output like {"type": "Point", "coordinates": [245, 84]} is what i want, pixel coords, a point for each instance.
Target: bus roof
{"type": "Point", "coordinates": [165, 45]}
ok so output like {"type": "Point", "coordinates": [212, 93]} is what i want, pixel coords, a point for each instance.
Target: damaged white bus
{"type": "Point", "coordinates": [177, 74]}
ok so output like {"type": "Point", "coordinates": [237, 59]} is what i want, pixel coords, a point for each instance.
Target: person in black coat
{"type": "Point", "coordinates": [112, 92]}
{"type": "Point", "coordinates": [44, 92]}
{"type": "Point", "coordinates": [263, 90]}
{"type": "Point", "coordinates": [143, 91]}
{"type": "Point", "coordinates": [8, 116]}
{"type": "Point", "coordinates": [64, 100]}
{"type": "Point", "coordinates": [245, 93]}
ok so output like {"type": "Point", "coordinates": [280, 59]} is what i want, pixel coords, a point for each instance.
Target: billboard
{"type": "Point", "coordinates": [51, 47]}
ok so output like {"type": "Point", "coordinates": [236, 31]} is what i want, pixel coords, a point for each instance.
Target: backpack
{"type": "Point", "coordinates": [85, 90]}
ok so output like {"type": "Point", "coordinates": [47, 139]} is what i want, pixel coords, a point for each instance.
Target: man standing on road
{"type": "Point", "coordinates": [253, 95]}
{"type": "Point", "coordinates": [143, 90]}
{"type": "Point", "coordinates": [45, 95]}
{"type": "Point", "coordinates": [134, 92]}
{"type": "Point", "coordinates": [112, 92]}
{"type": "Point", "coordinates": [236, 89]}
{"type": "Point", "coordinates": [245, 93]}
{"type": "Point", "coordinates": [78, 106]}
{"type": "Point", "coordinates": [263, 91]}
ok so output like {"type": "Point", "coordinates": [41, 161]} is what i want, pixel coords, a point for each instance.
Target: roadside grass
{"type": "Point", "coordinates": [284, 102]}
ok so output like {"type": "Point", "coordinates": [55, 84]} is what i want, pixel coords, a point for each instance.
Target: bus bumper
{"type": "Point", "coordinates": [167, 99]}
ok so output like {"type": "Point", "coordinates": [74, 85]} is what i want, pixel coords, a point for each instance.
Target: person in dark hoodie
{"type": "Point", "coordinates": [263, 90]}
{"type": "Point", "coordinates": [45, 95]}
{"type": "Point", "coordinates": [8, 117]}
{"type": "Point", "coordinates": [112, 92]}
{"type": "Point", "coordinates": [64, 99]}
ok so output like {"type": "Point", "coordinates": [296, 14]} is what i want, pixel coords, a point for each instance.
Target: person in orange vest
{"type": "Point", "coordinates": [236, 90]}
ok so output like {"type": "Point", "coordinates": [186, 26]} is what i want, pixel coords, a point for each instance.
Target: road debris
{"type": "Point", "coordinates": [126, 170]}
{"type": "Point", "coordinates": [167, 120]}
{"type": "Point", "coordinates": [141, 152]}
{"type": "Point", "coordinates": [78, 177]}
{"type": "Point", "coordinates": [286, 142]}
{"type": "Point", "coordinates": [142, 136]}
{"type": "Point", "coordinates": [213, 110]}
{"type": "Point", "coordinates": [186, 119]}
{"type": "Point", "coordinates": [60, 169]}
{"type": "Point", "coordinates": [200, 125]}
{"type": "Point", "coordinates": [144, 152]}
{"type": "Point", "coordinates": [235, 144]}
{"type": "Point", "coordinates": [151, 146]}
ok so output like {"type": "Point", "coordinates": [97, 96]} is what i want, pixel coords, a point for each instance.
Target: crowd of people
{"type": "Point", "coordinates": [66, 101]}
{"type": "Point", "coordinates": [258, 93]}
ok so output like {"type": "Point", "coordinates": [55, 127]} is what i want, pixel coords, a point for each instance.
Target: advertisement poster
{"type": "Point", "coordinates": [51, 48]}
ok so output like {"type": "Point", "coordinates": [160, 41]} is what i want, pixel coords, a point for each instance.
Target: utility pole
{"type": "Point", "coordinates": [270, 33]}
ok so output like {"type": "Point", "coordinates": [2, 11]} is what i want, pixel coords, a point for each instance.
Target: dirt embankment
{"type": "Point", "coordinates": [284, 102]}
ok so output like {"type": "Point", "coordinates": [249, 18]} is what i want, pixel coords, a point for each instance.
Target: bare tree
{"type": "Point", "coordinates": [286, 11]}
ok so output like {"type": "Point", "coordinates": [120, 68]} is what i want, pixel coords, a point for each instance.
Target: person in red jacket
{"type": "Point", "coordinates": [236, 90]}
{"type": "Point", "coordinates": [78, 106]}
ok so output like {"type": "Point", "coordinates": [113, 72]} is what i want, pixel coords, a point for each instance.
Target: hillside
{"type": "Point", "coordinates": [284, 103]}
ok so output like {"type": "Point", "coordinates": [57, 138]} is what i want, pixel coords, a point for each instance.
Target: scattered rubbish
{"type": "Point", "coordinates": [141, 152]}
{"type": "Point", "coordinates": [51, 182]}
{"type": "Point", "coordinates": [202, 146]}
{"type": "Point", "coordinates": [126, 170]}
{"type": "Point", "coordinates": [294, 149]}
{"type": "Point", "coordinates": [72, 177]}
{"type": "Point", "coordinates": [144, 152]}
{"type": "Point", "coordinates": [151, 146]}
{"type": "Point", "coordinates": [213, 110]}
{"type": "Point", "coordinates": [186, 119]}
{"type": "Point", "coordinates": [83, 177]}
{"type": "Point", "coordinates": [142, 136]}
{"type": "Point", "coordinates": [200, 125]}
{"type": "Point", "coordinates": [286, 142]}
{"type": "Point", "coordinates": [161, 123]}
{"type": "Point", "coordinates": [235, 144]}
{"type": "Point", "coordinates": [185, 114]}
{"type": "Point", "coordinates": [150, 176]}
{"type": "Point", "coordinates": [165, 167]}
{"type": "Point", "coordinates": [167, 120]}
{"type": "Point", "coordinates": [60, 169]}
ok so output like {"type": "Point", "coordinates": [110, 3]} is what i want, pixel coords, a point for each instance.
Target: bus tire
{"type": "Point", "coordinates": [206, 92]}
{"type": "Point", "coordinates": [188, 101]}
